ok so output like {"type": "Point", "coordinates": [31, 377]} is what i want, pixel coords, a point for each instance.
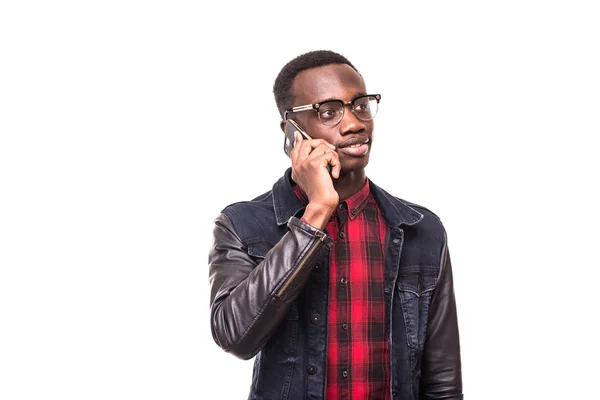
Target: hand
{"type": "Point", "coordinates": [310, 159]}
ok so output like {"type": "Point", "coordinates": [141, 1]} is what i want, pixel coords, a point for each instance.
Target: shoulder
{"type": "Point", "coordinates": [424, 240]}
{"type": "Point", "coordinates": [246, 216]}
{"type": "Point", "coordinates": [260, 204]}
{"type": "Point", "coordinates": [422, 219]}
{"type": "Point", "coordinates": [429, 216]}
{"type": "Point", "coordinates": [430, 221]}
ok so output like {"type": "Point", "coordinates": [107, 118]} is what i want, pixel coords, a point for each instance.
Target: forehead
{"type": "Point", "coordinates": [335, 81]}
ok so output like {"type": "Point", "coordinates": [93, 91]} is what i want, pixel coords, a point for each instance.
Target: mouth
{"type": "Point", "coordinates": [357, 146]}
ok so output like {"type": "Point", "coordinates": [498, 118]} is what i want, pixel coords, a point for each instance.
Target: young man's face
{"type": "Point", "coordinates": [340, 82]}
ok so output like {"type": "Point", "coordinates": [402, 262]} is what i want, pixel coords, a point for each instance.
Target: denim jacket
{"type": "Point", "coordinates": [268, 273]}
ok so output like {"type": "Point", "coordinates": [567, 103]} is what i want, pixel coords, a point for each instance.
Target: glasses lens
{"type": "Point", "coordinates": [331, 112]}
{"type": "Point", "coordinates": [365, 108]}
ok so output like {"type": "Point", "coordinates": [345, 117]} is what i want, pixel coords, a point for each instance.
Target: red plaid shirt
{"type": "Point", "coordinates": [357, 343]}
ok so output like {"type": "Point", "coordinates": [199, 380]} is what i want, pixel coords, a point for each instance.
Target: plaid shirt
{"type": "Point", "coordinates": [357, 343]}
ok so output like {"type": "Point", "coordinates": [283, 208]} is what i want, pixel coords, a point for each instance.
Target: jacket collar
{"type": "Point", "coordinates": [395, 212]}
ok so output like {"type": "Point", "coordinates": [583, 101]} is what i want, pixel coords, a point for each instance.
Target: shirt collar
{"type": "Point", "coordinates": [354, 204]}
{"type": "Point", "coordinates": [286, 203]}
{"type": "Point", "coordinates": [357, 202]}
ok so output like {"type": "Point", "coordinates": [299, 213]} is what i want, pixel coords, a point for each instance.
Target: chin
{"type": "Point", "coordinates": [355, 165]}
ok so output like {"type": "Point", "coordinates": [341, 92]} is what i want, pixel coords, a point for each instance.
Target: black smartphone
{"type": "Point", "coordinates": [292, 127]}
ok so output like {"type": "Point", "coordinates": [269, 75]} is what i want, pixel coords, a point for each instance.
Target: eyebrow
{"type": "Point", "coordinates": [333, 98]}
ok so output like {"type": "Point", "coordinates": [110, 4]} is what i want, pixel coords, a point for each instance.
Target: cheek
{"type": "Point", "coordinates": [312, 127]}
{"type": "Point", "coordinates": [320, 131]}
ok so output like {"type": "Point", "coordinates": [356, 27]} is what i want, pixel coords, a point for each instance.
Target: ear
{"type": "Point", "coordinates": [282, 124]}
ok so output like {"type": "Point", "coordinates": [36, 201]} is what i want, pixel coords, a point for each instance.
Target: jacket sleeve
{"type": "Point", "coordinates": [441, 376]}
{"type": "Point", "coordinates": [249, 299]}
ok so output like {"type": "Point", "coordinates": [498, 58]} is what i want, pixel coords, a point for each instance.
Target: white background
{"type": "Point", "coordinates": [126, 126]}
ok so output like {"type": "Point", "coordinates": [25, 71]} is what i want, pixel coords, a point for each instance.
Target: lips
{"type": "Point", "coordinates": [355, 141]}
{"type": "Point", "coordinates": [356, 146]}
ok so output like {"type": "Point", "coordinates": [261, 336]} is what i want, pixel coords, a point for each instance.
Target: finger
{"type": "Point", "coordinates": [305, 147]}
{"type": "Point", "coordinates": [298, 138]}
{"type": "Point", "coordinates": [312, 144]}
{"type": "Point", "coordinates": [329, 157]}
{"type": "Point", "coordinates": [295, 149]}
{"type": "Point", "coordinates": [319, 151]}
{"type": "Point", "coordinates": [336, 165]}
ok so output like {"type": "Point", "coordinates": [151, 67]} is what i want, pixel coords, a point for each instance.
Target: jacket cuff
{"type": "Point", "coordinates": [295, 223]}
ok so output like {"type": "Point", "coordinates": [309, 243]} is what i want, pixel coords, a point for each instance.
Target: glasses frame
{"type": "Point", "coordinates": [316, 106]}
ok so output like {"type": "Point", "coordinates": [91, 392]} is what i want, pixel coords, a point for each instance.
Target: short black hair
{"type": "Point", "coordinates": [282, 89]}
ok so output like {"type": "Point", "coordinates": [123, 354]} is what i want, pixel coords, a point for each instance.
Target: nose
{"type": "Point", "coordinates": [349, 122]}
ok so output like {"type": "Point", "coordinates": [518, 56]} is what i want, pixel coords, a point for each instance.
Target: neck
{"type": "Point", "coordinates": [348, 184]}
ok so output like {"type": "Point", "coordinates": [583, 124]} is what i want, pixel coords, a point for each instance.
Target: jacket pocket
{"type": "Point", "coordinates": [415, 287]}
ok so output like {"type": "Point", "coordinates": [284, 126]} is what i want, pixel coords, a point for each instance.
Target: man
{"type": "Point", "coordinates": [341, 290]}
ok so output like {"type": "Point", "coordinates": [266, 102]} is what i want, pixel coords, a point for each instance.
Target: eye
{"type": "Point", "coordinates": [329, 111]}
{"type": "Point", "coordinates": [362, 108]}
{"type": "Point", "coordinates": [327, 114]}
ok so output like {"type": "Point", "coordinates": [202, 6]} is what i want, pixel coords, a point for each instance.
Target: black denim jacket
{"type": "Point", "coordinates": [269, 290]}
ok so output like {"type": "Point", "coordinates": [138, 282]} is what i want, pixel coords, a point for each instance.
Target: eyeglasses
{"type": "Point", "coordinates": [331, 112]}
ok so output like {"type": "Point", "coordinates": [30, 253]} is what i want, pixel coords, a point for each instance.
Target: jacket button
{"type": "Point", "coordinates": [315, 318]}
{"type": "Point", "coordinates": [386, 290]}
{"type": "Point", "coordinates": [311, 369]}
{"type": "Point", "coordinates": [396, 240]}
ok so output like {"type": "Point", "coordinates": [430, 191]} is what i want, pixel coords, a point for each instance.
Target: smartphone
{"type": "Point", "coordinates": [291, 127]}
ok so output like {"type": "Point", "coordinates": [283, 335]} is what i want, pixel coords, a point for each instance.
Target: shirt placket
{"type": "Point", "coordinates": [343, 283]}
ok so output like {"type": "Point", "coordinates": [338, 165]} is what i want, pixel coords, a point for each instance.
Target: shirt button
{"type": "Point", "coordinates": [341, 206]}
{"type": "Point", "coordinates": [343, 280]}
{"type": "Point", "coordinates": [345, 327]}
{"type": "Point", "coordinates": [311, 369]}
{"type": "Point", "coordinates": [354, 211]}
{"type": "Point", "coordinates": [344, 374]}
{"type": "Point", "coordinates": [386, 290]}
{"type": "Point", "coordinates": [315, 318]}
{"type": "Point", "coordinates": [342, 235]}
{"type": "Point", "coordinates": [317, 266]}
